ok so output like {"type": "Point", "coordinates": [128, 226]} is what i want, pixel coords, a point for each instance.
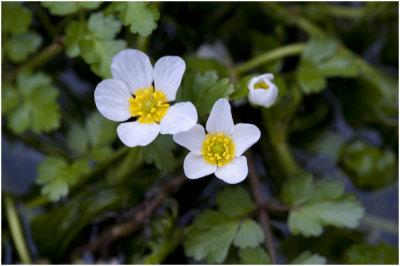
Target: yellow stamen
{"type": "Point", "coordinates": [149, 105]}
{"type": "Point", "coordinates": [218, 149]}
{"type": "Point", "coordinates": [261, 85]}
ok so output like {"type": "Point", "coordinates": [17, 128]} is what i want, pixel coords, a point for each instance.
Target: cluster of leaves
{"type": "Point", "coordinates": [91, 33]}
{"type": "Point", "coordinates": [18, 40]}
{"type": "Point", "coordinates": [319, 204]}
{"type": "Point", "coordinates": [367, 166]}
{"type": "Point", "coordinates": [213, 232]}
{"type": "Point", "coordinates": [323, 58]}
{"type": "Point", "coordinates": [372, 254]}
{"type": "Point", "coordinates": [30, 103]}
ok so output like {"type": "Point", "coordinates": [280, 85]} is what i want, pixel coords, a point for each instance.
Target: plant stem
{"type": "Point", "coordinates": [343, 11]}
{"type": "Point", "coordinates": [281, 52]}
{"type": "Point", "coordinates": [386, 225]}
{"type": "Point", "coordinates": [45, 55]}
{"type": "Point", "coordinates": [145, 210]}
{"type": "Point", "coordinates": [16, 230]}
{"type": "Point", "coordinates": [262, 213]}
{"type": "Point", "coordinates": [278, 141]}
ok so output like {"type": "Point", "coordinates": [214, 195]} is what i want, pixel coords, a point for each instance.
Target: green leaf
{"type": "Point", "coordinates": [101, 153]}
{"type": "Point", "coordinates": [94, 42]}
{"type": "Point", "coordinates": [103, 27]}
{"type": "Point", "coordinates": [319, 204]}
{"type": "Point", "coordinates": [141, 17]}
{"type": "Point", "coordinates": [301, 189]}
{"type": "Point", "coordinates": [320, 59]}
{"type": "Point", "coordinates": [74, 33]}
{"type": "Point", "coordinates": [99, 53]}
{"type": "Point", "coordinates": [250, 234]}
{"type": "Point", "coordinates": [19, 47]}
{"type": "Point", "coordinates": [94, 138]}
{"type": "Point", "coordinates": [125, 166]}
{"type": "Point", "coordinates": [372, 254]}
{"type": "Point", "coordinates": [19, 119]}
{"type": "Point", "coordinates": [64, 222]}
{"type": "Point", "coordinates": [320, 48]}
{"type": "Point", "coordinates": [307, 258]}
{"type": "Point", "coordinates": [15, 18]}
{"type": "Point", "coordinates": [160, 152]}
{"type": "Point", "coordinates": [341, 65]}
{"type": "Point", "coordinates": [235, 201]}
{"type": "Point", "coordinates": [203, 90]}
{"type": "Point", "coordinates": [61, 8]}
{"type": "Point", "coordinates": [56, 176]}
{"type": "Point", "coordinates": [297, 190]}
{"type": "Point", "coordinates": [100, 131]}
{"type": "Point", "coordinates": [204, 64]}
{"type": "Point", "coordinates": [38, 109]}
{"type": "Point", "coordinates": [309, 78]}
{"type": "Point", "coordinates": [367, 166]}
{"type": "Point", "coordinates": [77, 139]}
{"type": "Point", "coordinates": [211, 237]}
{"type": "Point", "coordinates": [309, 219]}
{"type": "Point", "coordinates": [9, 98]}
{"type": "Point", "coordinates": [254, 256]}
{"type": "Point", "coordinates": [241, 87]}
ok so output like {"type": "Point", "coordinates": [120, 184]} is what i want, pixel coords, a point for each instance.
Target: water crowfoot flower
{"type": "Point", "coordinates": [131, 94]}
{"type": "Point", "coordinates": [220, 151]}
{"type": "Point", "coordinates": [262, 91]}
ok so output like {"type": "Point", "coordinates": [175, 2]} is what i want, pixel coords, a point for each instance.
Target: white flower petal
{"type": "Point", "coordinates": [264, 97]}
{"type": "Point", "coordinates": [264, 77]}
{"type": "Point", "coordinates": [220, 119]}
{"type": "Point", "coordinates": [192, 139]}
{"type": "Point", "coordinates": [134, 68]}
{"type": "Point", "coordinates": [112, 99]}
{"type": "Point", "coordinates": [180, 117]}
{"type": "Point", "coordinates": [195, 166]}
{"type": "Point", "coordinates": [234, 172]}
{"type": "Point", "coordinates": [137, 134]}
{"type": "Point", "coordinates": [244, 136]}
{"type": "Point", "coordinates": [168, 72]}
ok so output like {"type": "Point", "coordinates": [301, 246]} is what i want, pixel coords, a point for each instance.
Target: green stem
{"type": "Point", "coordinates": [343, 11]}
{"type": "Point", "coordinates": [287, 159]}
{"type": "Point", "coordinates": [102, 166]}
{"type": "Point", "coordinates": [278, 139]}
{"type": "Point", "coordinates": [46, 54]}
{"type": "Point", "coordinates": [309, 27]}
{"type": "Point", "coordinates": [388, 226]}
{"type": "Point", "coordinates": [281, 52]}
{"type": "Point", "coordinates": [16, 230]}
{"type": "Point", "coordinates": [45, 20]}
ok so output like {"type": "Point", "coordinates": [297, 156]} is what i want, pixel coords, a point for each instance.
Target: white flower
{"type": "Point", "coordinates": [220, 151]}
{"type": "Point", "coordinates": [130, 94]}
{"type": "Point", "coordinates": [262, 91]}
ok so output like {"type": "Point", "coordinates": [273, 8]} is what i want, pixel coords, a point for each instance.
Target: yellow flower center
{"type": "Point", "coordinates": [218, 149]}
{"type": "Point", "coordinates": [261, 85]}
{"type": "Point", "coordinates": [149, 105]}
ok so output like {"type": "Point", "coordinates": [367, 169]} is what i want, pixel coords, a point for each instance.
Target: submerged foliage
{"type": "Point", "coordinates": [322, 184]}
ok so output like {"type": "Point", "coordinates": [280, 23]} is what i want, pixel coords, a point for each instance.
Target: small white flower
{"type": "Point", "coordinates": [130, 94]}
{"type": "Point", "coordinates": [220, 151]}
{"type": "Point", "coordinates": [262, 91]}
